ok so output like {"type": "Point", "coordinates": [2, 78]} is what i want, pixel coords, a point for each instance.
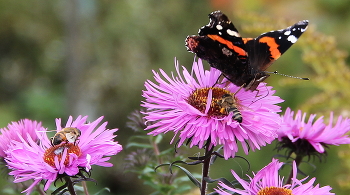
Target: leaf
{"type": "Point", "coordinates": [188, 173]}
{"type": "Point", "coordinates": [147, 170]}
{"type": "Point", "coordinates": [103, 190]}
{"type": "Point", "coordinates": [223, 180]}
{"type": "Point", "coordinates": [166, 152]}
{"type": "Point", "coordinates": [134, 144]}
{"type": "Point", "coordinates": [181, 189]}
{"type": "Point", "coordinates": [217, 154]}
{"type": "Point", "coordinates": [190, 176]}
{"type": "Point", "coordinates": [152, 184]}
{"type": "Point", "coordinates": [158, 139]}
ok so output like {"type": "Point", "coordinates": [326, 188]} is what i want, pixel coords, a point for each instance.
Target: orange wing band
{"type": "Point", "coordinates": [245, 40]}
{"type": "Point", "coordinates": [275, 53]}
{"type": "Point", "coordinates": [229, 44]}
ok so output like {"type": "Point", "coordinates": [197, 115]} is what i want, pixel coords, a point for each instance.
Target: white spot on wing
{"type": "Point", "coordinates": [292, 39]}
{"type": "Point", "coordinates": [219, 27]}
{"type": "Point", "coordinates": [287, 32]}
{"type": "Point", "coordinates": [303, 29]}
{"type": "Point", "coordinates": [232, 33]}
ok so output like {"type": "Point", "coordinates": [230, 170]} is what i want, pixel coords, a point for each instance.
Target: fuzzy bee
{"type": "Point", "coordinates": [68, 135]}
{"type": "Point", "coordinates": [229, 105]}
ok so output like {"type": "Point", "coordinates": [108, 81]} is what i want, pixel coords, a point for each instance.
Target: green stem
{"type": "Point", "coordinates": [206, 166]}
{"type": "Point", "coordinates": [298, 160]}
{"type": "Point", "coordinates": [70, 185]}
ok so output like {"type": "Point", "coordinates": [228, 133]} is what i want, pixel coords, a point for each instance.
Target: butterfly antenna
{"type": "Point", "coordinates": [294, 77]}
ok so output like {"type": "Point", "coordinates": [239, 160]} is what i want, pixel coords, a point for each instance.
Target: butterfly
{"type": "Point", "coordinates": [243, 61]}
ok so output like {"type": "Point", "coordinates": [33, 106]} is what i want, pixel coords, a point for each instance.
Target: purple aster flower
{"type": "Point", "coordinates": [200, 108]}
{"type": "Point", "coordinates": [15, 130]}
{"type": "Point", "coordinates": [306, 138]}
{"type": "Point", "coordinates": [267, 181]}
{"type": "Point", "coordinates": [44, 161]}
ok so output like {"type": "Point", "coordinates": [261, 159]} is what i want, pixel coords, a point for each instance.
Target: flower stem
{"type": "Point", "coordinates": [206, 166]}
{"type": "Point", "coordinates": [41, 191]}
{"type": "Point", "coordinates": [70, 185]}
{"type": "Point", "coordinates": [83, 183]}
{"type": "Point", "coordinates": [297, 160]}
{"type": "Point", "coordinates": [155, 149]}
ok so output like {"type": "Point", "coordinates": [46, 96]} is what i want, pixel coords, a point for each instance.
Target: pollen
{"type": "Point", "coordinates": [275, 191]}
{"type": "Point", "coordinates": [198, 99]}
{"type": "Point", "coordinates": [57, 150]}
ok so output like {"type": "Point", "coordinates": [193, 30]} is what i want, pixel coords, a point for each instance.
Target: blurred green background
{"type": "Point", "coordinates": [60, 58]}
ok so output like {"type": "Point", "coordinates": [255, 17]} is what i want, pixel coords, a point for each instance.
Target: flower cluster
{"type": "Point", "coordinates": [267, 181]}
{"type": "Point", "coordinates": [205, 110]}
{"type": "Point", "coordinates": [201, 108]}
{"type": "Point", "coordinates": [35, 157]}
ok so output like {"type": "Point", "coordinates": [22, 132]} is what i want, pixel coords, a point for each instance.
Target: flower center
{"type": "Point", "coordinates": [301, 147]}
{"type": "Point", "coordinates": [57, 150]}
{"type": "Point", "coordinates": [199, 97]}
{"type": "Point", "coordinates": [275, 191]}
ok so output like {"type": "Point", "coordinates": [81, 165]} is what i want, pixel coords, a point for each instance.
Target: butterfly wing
{"type": "Point", "coordinates": [221, 29]}
{"type": "Point", "coordinates": [268, 47]}
{"type": "Point", "coordinates": [220, 44]}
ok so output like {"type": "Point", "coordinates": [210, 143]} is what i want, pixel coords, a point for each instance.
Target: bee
{"type": "Point", "coordinates": [68, 134]}
{"type": "Point", "coordinates": [229, 105]}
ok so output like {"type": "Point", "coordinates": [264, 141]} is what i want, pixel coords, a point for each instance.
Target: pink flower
{"type": "Point", "coordinates": [311, 137]}
{"type": "Point", "coordinates": [15, 130]}
{"type": "Point", "coordinates": [42, 161]}
{"type": "Point", "coordinates": [267, 181]}
{"type": "Point", "coordinates": [193, 106]}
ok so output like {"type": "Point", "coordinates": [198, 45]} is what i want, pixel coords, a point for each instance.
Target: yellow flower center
{"type": "Point", "coordinates": [199, 97]}
{"type": "Point", "coordinates": [275, 191]}
{"type": "Point", "coordinates": [57, 150]}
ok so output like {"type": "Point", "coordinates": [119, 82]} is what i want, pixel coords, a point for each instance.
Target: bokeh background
{"type": "Point", "coordinates": [88, 57]}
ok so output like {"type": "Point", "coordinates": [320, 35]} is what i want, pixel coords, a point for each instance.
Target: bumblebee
{"type": "Point", "coordinates": [229, 105]}
{"type": "Point", "coordinates": [68, 134]}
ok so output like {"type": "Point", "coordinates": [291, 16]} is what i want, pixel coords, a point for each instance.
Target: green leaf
{"type": "Point", "coordinates": [166, 152]}
{"type": "Point", "coordinates": [158, 139]}
{"type": "Point", "coordinates": [188, 173]}
{"type": "Point", "coordinates": [145, 137]}
{"type": "Point", "coordinates": [152, 184]}
{"type": "Point", "coordinates": [134, 144]}
{"type": "Point", "coordinates": [181, 189]}
{"type": "Point", "coordinates": [103, 190]}
{"type": "Point", "coordinates": [190, 176]}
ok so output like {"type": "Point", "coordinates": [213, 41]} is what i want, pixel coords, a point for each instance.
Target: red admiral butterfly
{"type": "Point", "coordinates": [243, 61]}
